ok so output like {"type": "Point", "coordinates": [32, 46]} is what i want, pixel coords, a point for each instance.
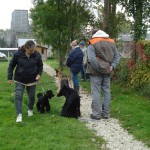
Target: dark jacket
{"type": "Point", "coordinates": [26, 68]}
{"type": "Point", "coordinates": [75, 60]}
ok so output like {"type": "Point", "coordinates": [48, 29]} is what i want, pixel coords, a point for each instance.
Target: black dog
{"type": "Point", "coordinates": [71, 107]}
{"type": "Point", "coordinates": [43, 102]}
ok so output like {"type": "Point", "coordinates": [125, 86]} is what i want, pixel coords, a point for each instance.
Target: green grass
{"type": "Point", "coordinates": [53, 62]}
{"type": "Point", "coordinates": [47, 131]}
{"type": "Point", "coordinates": [132, 110]}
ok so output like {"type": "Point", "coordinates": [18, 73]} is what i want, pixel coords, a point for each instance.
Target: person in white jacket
{"type": "Point", "coordinates": [84, 76]}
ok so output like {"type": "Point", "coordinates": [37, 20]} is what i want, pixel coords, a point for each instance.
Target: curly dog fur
{"type": "Point", "coordinates": [43, 101]}
{"type": "Point", "coordinates": [71, 107]}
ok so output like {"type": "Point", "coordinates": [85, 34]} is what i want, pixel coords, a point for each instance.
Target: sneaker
{"type": "Point", "coordinates": [104, 117]}
{"type": "Point", "coordinates": [30, 113]}
{"type": "Point", "coordinates": [93, 117]}
{"type": "Point", "coordinates": [19, 118]}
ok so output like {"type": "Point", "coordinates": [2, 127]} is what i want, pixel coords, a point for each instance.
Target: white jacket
{"type": "Point", "coordinates": [84, 50]}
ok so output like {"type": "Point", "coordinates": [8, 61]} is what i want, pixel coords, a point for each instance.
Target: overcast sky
{"type": "Point", "coordinates": [7, 7]}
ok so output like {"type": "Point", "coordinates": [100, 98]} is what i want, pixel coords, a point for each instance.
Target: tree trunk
{"type": "Point", "coordinates": [109, 17]}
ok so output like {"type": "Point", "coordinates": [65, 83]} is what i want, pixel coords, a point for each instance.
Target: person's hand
{"type": "Point", "coordinates": [38, 77]}
{"type": "Point", "coordinates": [97, 58]}
{"type": "Point", "coordinates": [111, 68]}
{"type": "Point", "coordinates": [9, 81]}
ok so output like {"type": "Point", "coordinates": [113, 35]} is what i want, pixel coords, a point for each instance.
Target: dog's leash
{"type": "Point", "coordinates": [39, 83]}
{"type": "Point", "coordinates": [71, 84]}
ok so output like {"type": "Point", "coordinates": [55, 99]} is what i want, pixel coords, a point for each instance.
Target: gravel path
{"type": "Point", "coordinates": [110, 129]}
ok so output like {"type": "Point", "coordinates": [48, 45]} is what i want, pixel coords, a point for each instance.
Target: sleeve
{"type": "Point", "coordinates": [71, 58]}
{"type": "Point", "coordinates": [116, 59]}
{"type": "Point", "coordinates": [11, 66]}
{"type": "Point", "coordinates": [40, 66]}
{"type": "Point", "coordinates": [92, 57]}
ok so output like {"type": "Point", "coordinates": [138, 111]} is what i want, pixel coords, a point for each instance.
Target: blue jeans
{"type": "Point", "coordinates": [19, 90]}
{"type": "Point", "coordinates": [75, 79]}
{"type": "Point", "coordinates": [100, 90]}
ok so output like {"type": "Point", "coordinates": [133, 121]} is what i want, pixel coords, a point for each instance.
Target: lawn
{"type": "Point", "coordinates": [132, 110]}
{"type": "Point", "coordinates": [50, 131]}
{"type": "Point", "coordinates": [47, 131]}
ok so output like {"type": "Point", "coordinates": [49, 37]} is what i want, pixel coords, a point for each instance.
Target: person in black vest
{"type": "Point", "coordinates": [28, 67]}
{"type": "Point", "coordinates": [74, 61]}
{"type": "Point", "coordinates": [103, 57]}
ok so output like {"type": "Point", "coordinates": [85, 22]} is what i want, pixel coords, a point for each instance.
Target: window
{"type": "Point", "coordinates": [42, 51]}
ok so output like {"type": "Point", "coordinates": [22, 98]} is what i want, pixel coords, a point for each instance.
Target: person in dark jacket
{"type": "Point", "coordinates": [28, 67]}
{"type": "Point", "coordinates": [74, 61]}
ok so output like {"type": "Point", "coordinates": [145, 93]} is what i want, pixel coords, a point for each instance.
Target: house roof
{"type": "Point", "coordinates": [41, 46]}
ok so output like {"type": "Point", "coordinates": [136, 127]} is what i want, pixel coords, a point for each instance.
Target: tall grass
{"type": "Point", "coordinates": [47, 131]}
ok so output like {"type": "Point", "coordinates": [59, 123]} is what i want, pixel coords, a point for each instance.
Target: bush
{"type": "Point", "coordinates": [137, 74]}
{"type": "Point", "coordinates": [140, 76]}
{"type": "Point", "coordinates": [145, 90]}
{"type": "Point", "coordinates": [121, 74]}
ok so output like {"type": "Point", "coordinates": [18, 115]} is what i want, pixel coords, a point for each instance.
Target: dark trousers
{"type": "Point", "coordinates": [19, 91]}
{"type": "Point", "coordinates": [84, 76]}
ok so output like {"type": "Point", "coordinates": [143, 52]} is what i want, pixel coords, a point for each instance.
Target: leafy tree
{"type": "Point", "coordinates": [111, 22]}
{"type": "Point", "coordinates": [57, 22]}
{"type": "Point", "coordinates": [110, 19]}
{"type": "Point", "coordinates": [139, 10]}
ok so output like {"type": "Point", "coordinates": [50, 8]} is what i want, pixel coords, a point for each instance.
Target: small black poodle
{"type": "Point", "coordinates": [43, 101]}
{"type": "Point", "coordinates": [71, 107]}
